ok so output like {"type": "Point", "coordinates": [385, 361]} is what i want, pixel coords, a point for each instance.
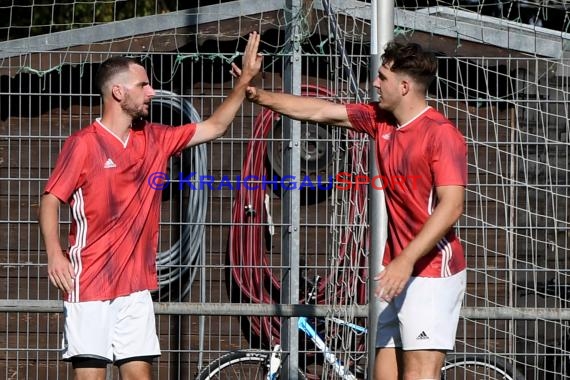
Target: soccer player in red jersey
{"type": "Point", "coordinates": [422, 282]}
{"type": "Point", "coordinates": [103, 172]}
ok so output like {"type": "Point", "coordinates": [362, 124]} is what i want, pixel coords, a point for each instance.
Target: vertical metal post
{"type": "Point", "coordinates": [291, 199]}
{"type": "Point", "coordinates": [381, 31]}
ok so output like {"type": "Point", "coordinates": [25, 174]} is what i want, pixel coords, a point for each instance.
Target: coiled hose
{"type": "Point", "coordinates": [251, 279]}
{"type": "Point", "coordinates": [178, 265]}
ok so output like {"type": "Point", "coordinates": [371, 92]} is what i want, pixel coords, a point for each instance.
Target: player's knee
{"type": "Point", "coordinates": [136, 368]}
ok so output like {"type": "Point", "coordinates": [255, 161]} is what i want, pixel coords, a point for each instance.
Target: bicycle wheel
{"type": "Point", "coordinates": [479, 367]}
{"type": "Point", "coordinates": [239, 365]}
{"type": "Point", "coordinates": [244, 365]}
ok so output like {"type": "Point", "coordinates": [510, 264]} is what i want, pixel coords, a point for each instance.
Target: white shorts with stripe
{"type": "Point", "coordinates": [424, 316]}
{"type": "Point", "coordinates": [112, 330]}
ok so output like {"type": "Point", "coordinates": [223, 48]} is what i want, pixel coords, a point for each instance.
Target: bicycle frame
{"type": "Point", "coordinates": [304, 325]}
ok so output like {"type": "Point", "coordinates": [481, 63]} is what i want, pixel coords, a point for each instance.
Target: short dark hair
{"type": "Point", "coordinates": [411, 59]}
{"type": "Point", "coordinates": [111, 67]}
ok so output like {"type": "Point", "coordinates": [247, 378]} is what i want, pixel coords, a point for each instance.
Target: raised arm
{"type": "Point", "coordinates": [301, 107]}
{"type": "Point", "coordinates": [217, 124]}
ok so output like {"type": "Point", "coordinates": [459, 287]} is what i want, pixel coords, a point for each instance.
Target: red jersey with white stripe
{"type": "Point", "coordinates": [113, 237]}
{"type": "Point", "coordinates": [413, 160]}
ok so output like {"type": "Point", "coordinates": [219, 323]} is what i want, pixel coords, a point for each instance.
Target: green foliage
{"type": "Point", "coordinates": [34, 17]}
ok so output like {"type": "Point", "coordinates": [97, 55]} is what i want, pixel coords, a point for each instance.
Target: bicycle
{"type": "Point", "coordinates": [262, 364]}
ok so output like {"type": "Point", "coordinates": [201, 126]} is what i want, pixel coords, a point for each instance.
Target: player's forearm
{"type": "Point", "coordinates": [303, 108]}
{"type": "Point", "coordinates": [49, 224]}
{"type": "Point", "coordinates": [443, 218]}
{"type": "Point", "coordinates": [223, 116]}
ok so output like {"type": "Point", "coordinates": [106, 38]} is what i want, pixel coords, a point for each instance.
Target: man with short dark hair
{"type": "Point", "coordinates": [422, 282]}
{"type": "Point", "coordinates": [102, 172]}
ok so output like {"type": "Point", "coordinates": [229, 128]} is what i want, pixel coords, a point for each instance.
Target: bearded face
{"type": "Point", "coordinates": [135, 107]}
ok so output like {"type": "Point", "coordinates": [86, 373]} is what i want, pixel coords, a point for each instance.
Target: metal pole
{"type": "Point", "coordinates": [236, 309]}
{"type": "Point", "coordinates": [291, 198]}
{"type": "Point", "coordinates": [381, 31]}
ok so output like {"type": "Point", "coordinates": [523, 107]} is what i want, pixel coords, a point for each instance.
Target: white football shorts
{"type": "Point", "coordinates": [424, 316]}
{"type": "Point", "coordinates": [112, 330]}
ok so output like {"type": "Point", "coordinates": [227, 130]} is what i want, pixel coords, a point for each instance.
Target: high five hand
{"type": "Point", "coordinates": [251, 63]}
{"type": "Point", "coordinates": [251, 60]}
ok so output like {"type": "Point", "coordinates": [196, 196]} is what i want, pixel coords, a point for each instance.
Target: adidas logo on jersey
{"type": "Point", "coordinates": [422, 336]}
{"type": "Point", "coordinates": [387, 136]}
{"type": "Point", "coordinates": [109, 164]}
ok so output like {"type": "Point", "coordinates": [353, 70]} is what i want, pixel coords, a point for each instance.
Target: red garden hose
{"type": "Point", "coordinates": [250, 270]}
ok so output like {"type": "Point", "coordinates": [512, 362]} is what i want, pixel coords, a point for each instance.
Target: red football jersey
{"type": "Point", "coordinates": [413, 159]}
{"type": "Point", "coordinates": [113, 238]}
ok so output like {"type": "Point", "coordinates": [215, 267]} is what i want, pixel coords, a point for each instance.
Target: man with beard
{"type": "Point", "coordinates": [103, 172]}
